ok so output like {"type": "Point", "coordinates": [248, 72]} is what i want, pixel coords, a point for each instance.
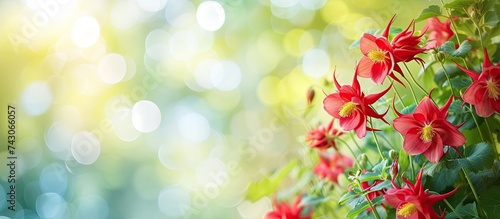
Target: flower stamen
{"type": "Point", "coordinates": [427, 133]}
{"type": "Point", "coordinates": [346, 109]}
{"type": "Point", "coordinates": [406, 210]}
{"type": "Point", "coordinates": [377, 56]}
{"type": "Point", "coordinates": [493, 90]}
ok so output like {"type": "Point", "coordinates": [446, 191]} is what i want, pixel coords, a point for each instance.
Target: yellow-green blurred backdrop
{"type": "Point", "coordinates": [166, 108]}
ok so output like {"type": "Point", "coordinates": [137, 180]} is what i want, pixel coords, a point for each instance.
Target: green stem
{"type": "Point", "coordinates": [491, 138]}
{"type": "Point", "coordinates": [374, 210]}
{"type": "Point", "coordinates": [414, 81]}
{"type": "Point", "coordinates": [448, 78]}
{"type": "Point", "coordinates": [376, 140]}
{"type": "Point", "coordinates": [412, 167]}
{"type": "Point", "coordinates": [452, 208]}
{"type": "Point", "coordinates": [359, 148]}
{"type": "Point", "coordinates": [397, 93]}
{"type": "Point", "coordinates": [411, 90]}
{"type": "Point", "coordinates": [477, 124]}
{"type": "Point", "coordinates": [388, 142]}
{"type": "Point", "coordinates": [352, 152]}
{"type": "Point", "coordinates": [481, 211]}
{"type": "Point", "coordinates": [479, 32]}
{"type": "Point", "coordinates": [452, 23]}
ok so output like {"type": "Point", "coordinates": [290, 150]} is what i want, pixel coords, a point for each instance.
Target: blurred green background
{"type": "Point", "coordinates": [167, 108]}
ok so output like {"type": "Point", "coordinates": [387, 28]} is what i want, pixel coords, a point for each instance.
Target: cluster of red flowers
{"type": "Point", "coordinates": [426, 131]}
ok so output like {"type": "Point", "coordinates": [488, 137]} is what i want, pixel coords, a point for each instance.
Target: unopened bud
{"type": "Point", "coordinates": [440, 56]}
{"type": "Point", "coordinates": [393, 154]}
{"type": "Point", "coordinates": [310, 95]}
{"type": "Point", "coordinates": [394, 168]}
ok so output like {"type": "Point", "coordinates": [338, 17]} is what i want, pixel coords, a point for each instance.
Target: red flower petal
{"type": "Point", "coordinates": [351, 122]}
{"type": "Point", "coordinates": [405, 123]}
{"type": "Point", "coordinates": [365, 67]}
{"type": "Point", "coordinates": [367, 43]}
{"type": "Point", "coordinates": [413, 144]}
{"type": "Point", "coordinates": [428, 108]}
{"type": "Point", "coordinates": [332, 104]}
{"type": "Point", "coordinates": [448, 133]}
{"type": "Point", "coordinates": [372, 98]}
{"type": "Point", "coordinates": [435, 153]}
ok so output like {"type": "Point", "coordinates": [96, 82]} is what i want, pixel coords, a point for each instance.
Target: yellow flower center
{"type": "Point", "coordinates": [493, 90]}
{"type": "Point", "coordinates": [427, 133]}
{"type": "Point", "coordinates": [376, 56]}
{"type": "Point", "coordinates": [406, 210]}
{"type": "Point", "coordinates": [347, 109]}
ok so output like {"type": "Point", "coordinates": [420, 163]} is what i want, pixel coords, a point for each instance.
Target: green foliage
{"type": "Point", "coordinates": [363, 206]}
{"type": "Point", "coordinates": [459, 4]}
{"type": "Point", "coordinates": [468, 211]}
{"type": "Point", "coordinates": [463, 49]}
{"type": "Point", "coordinates": [490, 201]}
{"type": "Point", "coordinates": [452, 71]}
{"type": "Point", "coordinates": [431, 11]}
{"type": "Point", "coordinates": [404, 160]}
{"type": "Point", "coordinates": [462, 115]}
{"type": "Point", "coordinates": [268, 185]}
{"type": "Point", "coordinates": [409, 109]}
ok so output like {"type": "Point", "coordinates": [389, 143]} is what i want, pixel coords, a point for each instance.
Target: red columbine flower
{"type": "Point", "coordinates": [350, 106]}
{"type": "Point", "coordinates": [426, 130]}
{"type": "Point", "coordinates": [439, 32]}
{"type": "Point", "coordinates": [405, 45]}
{"type": "Point", "coordinates": [381, 57]}
{"type": "Point", "coordinates": [330, 166]}
{"type": "Point", "coordinates": [323, 137]}
{"type": "Point", "coordinates": [378, 61]}
{"type": "Point", "coordinates": [484, 92]}
{"type": "Point", "coordinates": [412, 201]}
{"type": "Point", "coordinates": [285, 211]}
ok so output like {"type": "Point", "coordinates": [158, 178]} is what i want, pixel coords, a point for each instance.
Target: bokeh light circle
{"type": "Point", "coordinates": [53, 178]}
{"type": "Point", "coordinates": [92, 206]}
{"type": "Point", "coordinates": [193, 127]}
{"type": "Point", "coordinates": [151, 5]}
{"type": "Point", "coordinates": [123, 126]}
{"type": "Point", "coordinates": [85, 31]}
{"type": "Point", "coordinates": [146, 116]}
{"type": "Point", "coordinates": [36, 98]}
{"type": "Point", "coordinates": [316, 63]}
{"type": "Point", "coordinates": [85, 147]}
{"type": "Point", "coordinates": [226, 76]}
{"type": "Point", "coordinates": [51, 205]}
{"type": "Point", "coordinates": [174, 201]}
{"type": "Point", "coordinates": [112, 68]}
{"type": "Point", "coordinates": [210, 15]}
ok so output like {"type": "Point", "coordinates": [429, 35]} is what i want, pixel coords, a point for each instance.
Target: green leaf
{"type": "Point", "coordinates": [440, 77]}
{"type": "Point", "coordinates": [460, 82]}
{"type": "Point", "coordinates": [478, 157]}
{"type": "Point", "coordinates": [404, 161]}
{"type": "Point", "coordinates": [458, 115]}
{"type": "Point", "coordinates": [443, 176]}
{"type": "Point", "coordinates": [465, 211]}
{"type": "Point", "coordinates": [346, 197]}
{"type": "Point", "coordinates": [369, 177]}
{"type": "Point", "coordinates": [431, 11]}
{"type": "Point", "coordinates": [449, 47]}
{"type": "Point", "coordinates": [409, 109]}
{"type": "Point", "coordinates": [268, 185]}
{"type": "Point", "coordinates": [459, 4]}
{"type": "Point", "coordinates": [314, 201]}
{"type": "Point", "coordinates": [490, 19]}
{"type": "Point", "coordinates": [363, 206]}
{"type": "Point", "coordinates": [490, 201]}
{"type": "Point", "coordinates": [383, 185]}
